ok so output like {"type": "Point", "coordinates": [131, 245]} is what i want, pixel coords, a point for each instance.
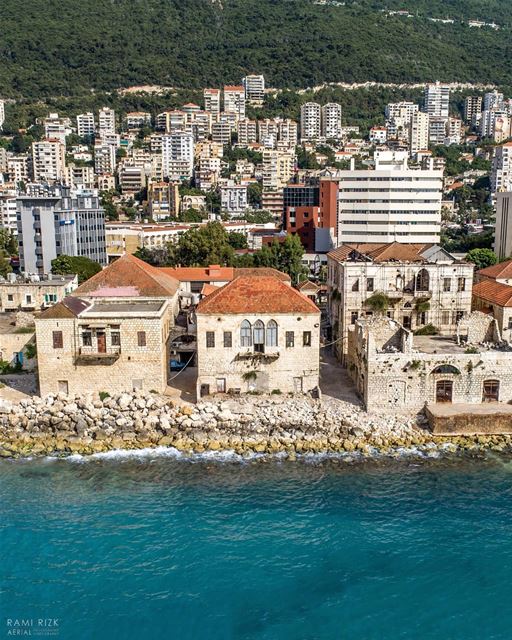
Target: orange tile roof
{"type": "Point", "coordinates": [230, 87]}
{"type": "Point", "coordinates": [250, 295]}
{"type": "Point", "coordinates": [208, 288]}
{"type": "Point", "coordinates": [213, 273]}
{"type": "Point", "coordinates": [307, 285]}
{"type": "Point", "coordinates": [263, 271]}
{"type": "Point", "coordinates": [500, 270]}
{"type": "Point", "coordinates": [382, 252]}
{"type": "Point", "coordinates": [494, 292]}
{"type": "Point", "coordinates": [129, 277]}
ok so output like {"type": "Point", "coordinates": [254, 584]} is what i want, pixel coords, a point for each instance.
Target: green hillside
{"type": "Point", "coordinates": [62, 47]}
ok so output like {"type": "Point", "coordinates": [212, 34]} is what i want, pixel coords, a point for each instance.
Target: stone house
{"type": "Point", "coordinates": [35, 293]}
{"type": "Point", "coordinates": [501, 272]}
{"type": "Point", "coordinates": [394, 370]}
{"type": "Point", "coordinates": [415, 284]}
{"type": "Point", "coordinates": [495, 298]}
{"type": "Point", "coordinates": [257, 334]}
{"type": "Point", "coordinates": [112, 334]}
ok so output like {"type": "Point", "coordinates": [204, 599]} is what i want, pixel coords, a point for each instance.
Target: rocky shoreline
{"type": "Point", "coordinates": [61, 425]}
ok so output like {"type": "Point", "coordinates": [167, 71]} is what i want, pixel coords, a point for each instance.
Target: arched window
{"type": "Point", "coordinates": [399, 283]}
{"type": "Point", "coordinates": [422, 280]}
{"type": "Point", "coordinates": [446, 368]}
{"type": "Point", "coordinates": [258, 336]}
{"type": "Point", "coordinates": [272, 333]}
{"type": "Point", "coordinates": [245, 334]}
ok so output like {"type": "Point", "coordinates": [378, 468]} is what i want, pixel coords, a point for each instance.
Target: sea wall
{"type": "Point", "coordinates": [61, 424]}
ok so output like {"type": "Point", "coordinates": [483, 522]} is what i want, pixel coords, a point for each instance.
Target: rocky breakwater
{"type": "Point", "coordinates": [62, 425]}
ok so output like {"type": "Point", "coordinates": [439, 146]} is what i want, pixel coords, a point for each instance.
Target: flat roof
{"type": "Point", "coordinates": [133, 306]}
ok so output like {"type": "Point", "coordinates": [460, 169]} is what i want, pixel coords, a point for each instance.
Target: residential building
{"type": "Point", "coordinates": [105, 158]}
{"type": "Point", "coordinates": [233, 198]}
{"type": "Point", "coordinates": [378, 135]}
{"type": "Point", "coordinates": [234, 100]}
{"type": "Point", "coordinates": [34, 293]}
{"type": "Point", "coordinates": [501, 171]}
{"type": "Point", "coordinates": [112, 334]}
{"type": "Point", "coordinates": [414, 284]}
{"type": "Point", "coordinates": [495, 298]}
{"type": "Point", "coordinates": [106, 122]}
{"type": "Point", "coordinates": [163, 200]}
{"type": "Point", "coordinates": [221, 131]}
{"type": "Point", "coordinates": [501, 272]}
{"type": "Point", "coordinates": [85, 125]}
{"type": "Point", "coordinates": [19, 168]}
{"type": "Point", "coordinates": [331, 121]}
{"type": "Point", "coordinates": [79, 177]}
{"type": "Point", "coordinates": [310, 121]}
{"type": "Point", "coordinates": [419, 132]}
{"type": "Point", "coordinates": [398, 119]}
{"type": "Point", "coordinates": [178, 156]}
{"type": "Point", "coordinates": [493, 100]}
{"type": "Point", "coordinates": [268, 132]}
{"type": "Point", "coordinates": [254, 86]}
{"type": "Point", "coordinates": [48, 161]}
{"type": "Point", "coordinates": [59, 224]}
{"type": "Point", "coordinates": [212, 101]}
{"type": "Point", "coordinates": [268, 339]}
{"type": "Point", "coordinates": [310, 211]}
{"type": "Point", "coordinates": [391, 202]}
{"type": "Point", "coordinates": [437, 130]}
{"type": "Point", "coordinates": [137, 120]}
{"type": "Point", "coordinates": [287, 132]}
{"type": "Point", "coordinates": [132, 179]}
{"type": "Point", "coordinates": [56, 128]}
{"type": "Point", "coordinates": [436, 101]}
{"type": "Point", "coordinates": [472, 109]}
{"type": "Point", "coordinates": [278, 167]}
{"type": "Point", "coordinates": [2, 113]}
{"type": "Point", "coordinates": [8, 214]}
{"type": "Point", "coordinates": [246, 131]}
{"type": "Point", "coordinates": [454, 131]}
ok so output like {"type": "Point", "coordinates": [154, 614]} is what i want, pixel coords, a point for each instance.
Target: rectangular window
{"type": "Point", "coordinates": [141, 338]}
{"type": "Point", "coordinates": [355, 286]}
{"type": "Point", "coordinates": [87, 339]}
{"type": "Point", "coordinates": [461, 284]}
{"type": "Point", "coordinates": [58, 341]}
{"type": "Point", "coordinates": [369, 284]}
{"type": "Point", "coordinates": [306, 338]}
{"type": "Point", "coordinates": [510, 323]}
{"type": "Point", "coordinates": [228, 339]}
{"type": "Point", "coordinates": [210, 339]}
{"type": "Point", "coordinates": [353, 317]}
{"type": "Point", "coordinates": [10, 297]}
{"type": "Point", "coordinates": [445, 317]}
{"type": "Point", "coordinates": [447, 284]}
{"type": "Point", "coordinates": [115, 339]}
{"type": "Point", "coordinates": [290, 339]}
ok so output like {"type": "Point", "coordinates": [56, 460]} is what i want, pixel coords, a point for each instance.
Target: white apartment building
{"type": "Point", "coordinates": [106, 122]}
{"type": "Point", "coordinates": [19, 168]}
{"type": "Point", "coordinates": [331, 121]}
{"type": "Point", "coordinates": [310, 121]}
{"type": "Point", "coordinates": [79, 177]}
{"type": "Point", "coordinates": [278, 167]}
{"type": "Point", "coordinates": [389, 203]}
{"type": "Point", "coordinates": [503, 228]}
{"type": "Point", "coordinates": [454, 131]}
{"type": "Point", "coordinates": [221, 131]}
{"type": "Point", "coordinates": [178, 155]}
{"type": "Point", "coordinates": [85, 125]}
{"type": "Point", "coordinates": [418, 132]}
{"type": "Point", "coordinates": [501, 172]}
{"type": "Point", "coordinates": [212, 101]}
{"type": "Point", "coordinates": [56, 128]}
{"type": "Point", "coordinates": [104, 158]}
{"type": "Point", "coordinates": [472, 108]}
{"type": "Point", "coordinates": [233, 198]}
{"type": "Point", "coordinates": [493, 100]}
{"type": "Point", "coordinates": [378, 135]}
{"type": "Point", "coordinates": [287, 132]}
{"type": "Point", "coordinates": [494, 123]}
{"type": "Point", "coordinates": [437, 130]}
{"type": "Point", "coordinates": [137, 119]}
{"type": "Point", "coordinates": [8, 210]}
{"type": "Point", "coordinates": [49, 161]}
{"type": "Point", "coordinates": [234, 100]}
{"type": "Point", "coordinates": [2, 113]}
{"type": "Point", "coordinates": [436, 100]}
{"type": "Point", "coordinates": [246, 131]}
{"type": "Point", "coordinates": [254, 86]}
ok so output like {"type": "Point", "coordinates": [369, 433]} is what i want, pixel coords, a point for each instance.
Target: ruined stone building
{"type": "Point", "coordinates": [414, 284]}
{"type": "Point", "coordinates": [257, 334]}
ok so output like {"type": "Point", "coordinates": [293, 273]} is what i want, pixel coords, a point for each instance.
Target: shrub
{"type": "Point", "coordinates": [24, 330]}
{"type": "Point", "coordinates": [471, 350]}
{"type": "Point", "coordinates": [31, 350]}
{"type": "Point", "coordinates": [427, 330]}
{"type": "Point", "coordinates": [104, 395]}
{"type": "Point", "coordinates": [379, 302]}
{"type": "Point", "coordinates": [276, 392]}
{"type": "Point", "coordinates": [249, 375]}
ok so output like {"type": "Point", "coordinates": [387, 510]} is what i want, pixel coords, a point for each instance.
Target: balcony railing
{"type": "Point", "coordinates": [91, 355]}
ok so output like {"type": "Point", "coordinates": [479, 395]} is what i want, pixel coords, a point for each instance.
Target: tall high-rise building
{"type": "Point", "coordinates": [418, 132]}
{"type": "Point", "coordinates": [310, 121]}
{"type": "Point", "coordinates": [246, 131]}
{"type": "Point", "coordinates": [472, 108]}
{"type": "Point", "coordinates": [60, 224]}
{"type": "Point", "coordinates": [234, 100]}
{"type": "Point", "coordinates": [278, 167]}
{"type": "Point", "coordinates": [2, 113]}
{"type": "Point", "coordinates": [178, 155]}
{"type": "Point", "coordinates": [436, 100]}
{"type": "Point", "coordinates": [212, 101]}
{"type": "Point", "coordinates": [501, 172]}
{"type": "Point", "coordinates": [56, 128]}
{"type": "Point", "coordinates": [331, 120]}
{"type": "Point", "coordinates": [493, 100]}
{"type": "Point", "coordinates": [106, 122]}
{"type": "Point", "coordinates": [503, 228]}
{"type": "Point", "coordinates": [390, 203]}
{"type": "Point", "coordinates": [48, 161]}
{"type": "Point", "coordinates": [254, 86]}
{"type": "Point", "coordinates": [85, 125]}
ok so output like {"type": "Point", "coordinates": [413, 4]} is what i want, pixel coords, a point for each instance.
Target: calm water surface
{"type": "Point", "coordinates": [160, 548]}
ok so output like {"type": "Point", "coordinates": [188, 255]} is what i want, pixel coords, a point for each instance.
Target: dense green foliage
{"type": "Point", "coordinates": [84, 267]}
{"type": "Point", "coordinates": [482, 258]}
{"type": "Point", "coordinates": [61, 47]}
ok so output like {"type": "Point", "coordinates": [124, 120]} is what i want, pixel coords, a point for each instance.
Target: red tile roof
{"type": "Point", "coordinates": [500, 270]}
{"type": "Point", "coordinates": [493, 292]}
{"type": "Point", "coordinates": [216, 273]}
{"type": "Point", "coordinates": [252, 294]}
{"type": "Point", "coordinates": [129, 277]}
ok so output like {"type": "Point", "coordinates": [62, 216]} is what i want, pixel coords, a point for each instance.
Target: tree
{"type": "Point", "coordinates": [84, 267]}
{"type": "Point", "coordinates": [237, 240]}
{"type": "Point", "coordinates": [158, 256]}
{"type": "Point", "coordinates": [482, 258]}
{"type": "Point", "coordinates": [191, 215]}
{"type": "Point", "coordinates": [205, 245]}
{"type": "Point", "coordinates": [254, 190]}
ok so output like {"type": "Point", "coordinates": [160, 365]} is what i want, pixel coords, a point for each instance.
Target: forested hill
{"type": "Point", "coordinates": [61, 47]}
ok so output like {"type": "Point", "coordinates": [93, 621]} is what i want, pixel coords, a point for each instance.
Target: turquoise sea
{"type": "Point", "coordinates": [154, 547]}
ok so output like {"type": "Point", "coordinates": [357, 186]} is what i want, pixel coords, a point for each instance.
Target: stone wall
{"type": "Point", "coordinates": [477, 327]}
{"type": "Point", "coordinates": [281, 368]}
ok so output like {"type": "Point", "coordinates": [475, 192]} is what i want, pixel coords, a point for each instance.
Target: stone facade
{"type": "Point", "coordinates": [390, 373]}
{"type": "Point", "coordinates": [435, 289]}
{"type": "Point", "coordinates": [104, 349]}
{"type": "Point", "coordinates": [281, 368]}
{"type": "Point", "coordinates": [29, 295]}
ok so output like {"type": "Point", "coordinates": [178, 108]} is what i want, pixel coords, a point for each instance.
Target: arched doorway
{"type": "Point", "coordinates": [444, 391]}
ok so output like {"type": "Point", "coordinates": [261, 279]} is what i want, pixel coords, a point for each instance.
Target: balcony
{"type": "Point", "coordinates": [271, 355]}
{"type": "Point", "coordinates": [91, 356]}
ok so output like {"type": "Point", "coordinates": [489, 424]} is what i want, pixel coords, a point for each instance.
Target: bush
{"type": "Point", "coordinates": [25, 329]}
{"type": "Point", "coordinates": [104, 395]}
{"type": "Point", "coordinates": [379, 302]}
{"type": "Point", "coordinates": [471, 350]}
{"type": "Point", "coordinates": [427, 330]}
{"type": "Point", "coordinates": [276, 392]}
